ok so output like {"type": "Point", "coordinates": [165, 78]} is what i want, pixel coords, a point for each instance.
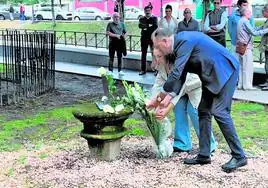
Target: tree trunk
{"type": "Point", "coordinates": [53, 13]}
{"type": "Point", "coordinates": [205, 8]}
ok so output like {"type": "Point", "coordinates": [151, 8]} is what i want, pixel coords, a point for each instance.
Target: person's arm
{"type": "Point", "coordinates": [109, 32]}
{"type": "Point", "coordinates": [176, 78]}
{"type": "Point", "coordinates": [252, 22]}
{"type": "Point", "coordinates": [178, 28]}
{"type": "Point", "coordinates": [141, 24]}
{"type": "Point", "coordinates": [253, 31]}
{"type": "Point", "coordinates": [197, 28]}
{"type": "Point", "coordinates": [224, 19]}
{"type": "Point", "coordinates": [206, 24]}
{"type": "Point", "coordinates": [230, 25]}
{"type": "Point", "coordinates": [160, 23]}
{"type": "Point", "coordinates": [155, 23]}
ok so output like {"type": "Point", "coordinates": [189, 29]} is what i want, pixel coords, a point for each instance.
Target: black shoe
{"type": "Point", "coordinates": [179, 150]}
{"type": "Point", "coordinates": [142, 73]}
{"type": "Point", "coordinates": [199, 159]}
{"type": "Point", "coordinates": [265, 88]}
{"type": "Point", "coordinates": [264, 84]}
{"type": "Point", "coordinates": [234, 164]}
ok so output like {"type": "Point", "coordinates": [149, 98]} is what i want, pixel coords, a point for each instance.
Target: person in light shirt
{"type": "Point", "coordinates": [169, 21]}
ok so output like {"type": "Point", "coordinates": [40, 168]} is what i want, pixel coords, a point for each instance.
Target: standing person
{"type": "Point", "coordinates": [117, 32]}
{"type": "Point", "coordinates": [147, 24]}
{"type": "Point", "coordinates": [233, 21]}
{"type": "Point", "coordinates": [184, 104]}
{"type": "Point", "coordinates": [245, 32]}
{"type": "Point", "coordinates": [218, 71]}
{"type": "Point", "coordinates": [215, 23]}
{"type": "Point", "coordinates": [264, 46]}
{"type": "Point", "coordinates": [169, 21]}
{"type": "Point", "coordinates": [22, 12]}
{"type": "Point", "coordinates": [188, 23]}
{"type": "Point", "coordinates": [11, 12]}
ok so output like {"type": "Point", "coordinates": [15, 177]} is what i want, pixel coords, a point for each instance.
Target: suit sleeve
{"type": "Point", "coordinates": [177, 76]}
{"type": "Point", "coordinates": [155, 24]}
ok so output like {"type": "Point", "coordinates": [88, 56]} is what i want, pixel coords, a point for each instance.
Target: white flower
{"type": "Point", "coordinates": [119, 108]}
{"type": "Point", "coordinates": [108, 109]}
{"type": "Point", "coordinates": [102, 71]}
{"type": "Point", "coordinates": [104, 99]}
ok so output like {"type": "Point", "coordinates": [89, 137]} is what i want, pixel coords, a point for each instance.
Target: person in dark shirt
{"type": "Point", "coordinates": [188, 23]}
{"type": "Point", "coordinates": [117, 32]}
{"type": "Point", "coordinates": [147, 24]}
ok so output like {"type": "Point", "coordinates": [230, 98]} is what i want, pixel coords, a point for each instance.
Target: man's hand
{"type": "Point", "coordinates": [153, 103]}
{"type": "Point", "coordinates": [161, 113]}
{"type": "Point", "coordinates": [118, 36]}
{"type": "Point", "coordinates": [166, 101]}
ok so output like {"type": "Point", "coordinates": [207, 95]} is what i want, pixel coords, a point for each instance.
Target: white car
{"type": "Point", "coordinates": [45, 13]}
{"type": "Point", "coordinates": [90, 13]}
{"type": "Point", "coordinates": [133, 13]}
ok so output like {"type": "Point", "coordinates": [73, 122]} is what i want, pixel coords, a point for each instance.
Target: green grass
{"type": "Point", "coordinates": [58, 125]}
{"type": "Point", "coordinates": [91, 27]}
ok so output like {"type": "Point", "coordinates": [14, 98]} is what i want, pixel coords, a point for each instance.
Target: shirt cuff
{"type": "Point", "coordinates": [172, 94]}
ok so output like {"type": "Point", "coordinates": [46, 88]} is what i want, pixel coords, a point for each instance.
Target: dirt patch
{"type": "Point", "coordinates": [136, 167]}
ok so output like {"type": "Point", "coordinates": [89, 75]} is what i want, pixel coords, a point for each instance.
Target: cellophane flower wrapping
{"type": "Point", "coordinates": [160, 130]}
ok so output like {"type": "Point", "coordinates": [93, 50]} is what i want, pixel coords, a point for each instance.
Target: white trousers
{"type": "Point", "coordinates": [245, 70]}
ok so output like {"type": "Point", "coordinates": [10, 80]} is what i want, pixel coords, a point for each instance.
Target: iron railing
{"type": "Point", "coordinates": [101, 40]}
{"type": "Point", "coordinates": [28, 65]}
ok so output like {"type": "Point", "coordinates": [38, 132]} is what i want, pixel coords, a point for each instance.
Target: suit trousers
{"type": "Point", "coordinates": [182, 135]}
{"type": "Point", "coordinates": [246, 70]}
{"type": "Point", "coordinates": [219, 106]}
{"type": "Point", "coordinates": [145, 43]}
{"type": "Point", "coordinates": [266, 63]}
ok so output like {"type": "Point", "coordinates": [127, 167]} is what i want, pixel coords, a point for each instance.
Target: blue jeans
{"type": "Point", "coordinates": [182, 137]}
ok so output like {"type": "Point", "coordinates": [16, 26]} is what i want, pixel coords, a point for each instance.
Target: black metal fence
{"type": "Point", "coordinates": [28, 65]}
{"type": "Point", "coordinates": [101, 40]}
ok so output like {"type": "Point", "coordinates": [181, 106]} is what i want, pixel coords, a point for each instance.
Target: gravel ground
{"type": "Point", "coordinates": [70, 164]}
{"type": "Point", "coordinates": [136, 167]}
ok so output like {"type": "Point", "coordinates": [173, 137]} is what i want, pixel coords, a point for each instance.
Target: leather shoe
{"type": "Point", "coordinates": [199, 159]}
{"type": "Point", "coordinates": [265, 88]}
{"type": "Point", "coordinates": [142, 73]}
{"type": "Point", "coordinates": [179, 150]}
{"type": "Point", "coordinates": [234, 164]}
{"type": "Point", "coordinates": [264, 84]}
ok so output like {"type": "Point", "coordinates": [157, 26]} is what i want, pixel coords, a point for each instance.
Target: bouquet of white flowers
{"type": "Point", "coordinates": [160, 129]}
{"type": "Point", "coordinates": [135, 98]}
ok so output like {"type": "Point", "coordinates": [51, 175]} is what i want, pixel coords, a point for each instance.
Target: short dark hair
{"type": "Point", "coordinates": [240, 2]}
{"type": "Point", "coordinates": [168, 7]}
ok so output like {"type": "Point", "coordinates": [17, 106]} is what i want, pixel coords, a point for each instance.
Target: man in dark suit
{"type": "Point", "coordinates": [218, 71]}
{"type": "Point", "coordinates": [147, 24]}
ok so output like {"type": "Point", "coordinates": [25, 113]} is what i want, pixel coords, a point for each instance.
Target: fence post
{"type": "Point", "coordinates": [96, 41]}
{"type": "Point", "coordinates": [85, 34]}
{"type": "Point", "coordinates": [65, 41]}
{"type": "Point", "coordinates": [75, 42]}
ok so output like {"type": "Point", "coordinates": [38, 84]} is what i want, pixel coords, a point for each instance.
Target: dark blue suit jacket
{"type": "Point", "coordinates": [197, 53]}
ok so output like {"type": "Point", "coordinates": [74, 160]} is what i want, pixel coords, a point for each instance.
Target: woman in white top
{"type": "Point", "coordinates": [169, 21]}
{"type": "Point", "coordinates": [184, 104]}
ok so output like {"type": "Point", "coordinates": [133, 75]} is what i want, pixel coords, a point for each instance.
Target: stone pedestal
{"type": "Point", "coordinates": [103, 132]}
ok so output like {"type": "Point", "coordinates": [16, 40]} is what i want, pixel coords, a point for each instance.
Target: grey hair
{"type": "Point", "coordinates": [161, 33]}
{"type": "Point", "coordinates": [265, 8]}
{"type": "Point", "coordinates": [243, 11]}
{"type": "Point", "coordinates": [116, 14]}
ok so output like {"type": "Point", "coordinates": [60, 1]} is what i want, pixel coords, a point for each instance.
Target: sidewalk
{"type": "Point", "coordinates": [148, 79]}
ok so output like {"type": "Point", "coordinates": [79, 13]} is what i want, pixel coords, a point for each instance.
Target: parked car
{"type": "Point", "coordinates": [133, 13]}
{"type": "Point", "coordinates": [45, 13]}
{"type": "Point", "coordinates": [4, 13]}
{"type": "Point", "coordinates": [90, 13]}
